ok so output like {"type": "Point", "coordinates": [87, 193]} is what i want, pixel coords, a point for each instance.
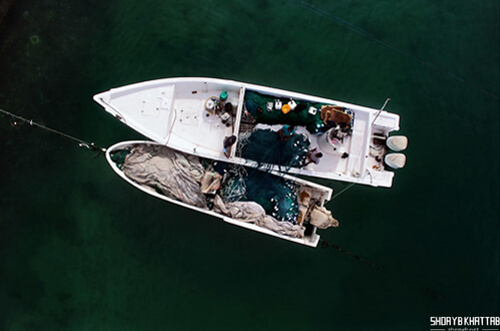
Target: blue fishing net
{"type": "Point", "coordinates": [276, 195]}
{"type": "Point", "coordinates": [234, 189]}
{"type": "Point", "coordinates": [265, 146]}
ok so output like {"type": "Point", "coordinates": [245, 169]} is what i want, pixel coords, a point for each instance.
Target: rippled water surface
{"type": "Point", "coordinates": [80, 249]}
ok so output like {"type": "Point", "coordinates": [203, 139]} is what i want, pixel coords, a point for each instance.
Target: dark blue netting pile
{"type": "Point", "coordinates": [119, 156]}
{"type": "Point", "coordinates": [265, 146]}
{"type": "Point", "coordinates": [276, 195]}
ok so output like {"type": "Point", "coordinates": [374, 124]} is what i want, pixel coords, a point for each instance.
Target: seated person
{"type": "Point", "coordinates": [226, 145]}
{"type": "Point", "coordinates": [313, 156]}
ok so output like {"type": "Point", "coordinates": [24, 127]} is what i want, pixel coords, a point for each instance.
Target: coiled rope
{"type": "Point", "coordinates": [81, 143]}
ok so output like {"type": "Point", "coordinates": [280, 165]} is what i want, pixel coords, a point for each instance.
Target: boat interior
{"type": "Point", "coordinates": [337, 131]}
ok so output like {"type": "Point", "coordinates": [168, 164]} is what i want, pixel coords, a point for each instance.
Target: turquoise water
{"type": "Point", "coordinates": [80, 249]}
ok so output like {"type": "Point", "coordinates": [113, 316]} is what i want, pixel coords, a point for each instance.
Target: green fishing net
{"type": "Point", "coordinates": [119, 156]}
{"type": "Point", "coordinates": [265, 146]}
{"type": "Point", "coordinates": [276, 195]}
{"type": "Point", "coordinates": [256, 104]}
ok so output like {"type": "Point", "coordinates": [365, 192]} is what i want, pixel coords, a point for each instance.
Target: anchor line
{"type": "Point", "coordinates": [345, 189]}
{"type": "Point", "coordinates": [81, 143]}
{"type": "Point", "coordinates": [326, 244]}
{"type": "Point", "coordinates": [425, 290]}
{"type": "Point", "coordinates": [393, 47]}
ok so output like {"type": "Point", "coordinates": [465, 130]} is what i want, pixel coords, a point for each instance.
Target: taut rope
{"type": "Point", "coordinates": [81, 143]}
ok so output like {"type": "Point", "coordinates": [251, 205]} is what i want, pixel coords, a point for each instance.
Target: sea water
{"type": "Point", "coordinates": [80, 249]}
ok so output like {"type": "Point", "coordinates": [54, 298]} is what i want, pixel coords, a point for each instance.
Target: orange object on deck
{"type": "Point", "coordinates": [286, 108]}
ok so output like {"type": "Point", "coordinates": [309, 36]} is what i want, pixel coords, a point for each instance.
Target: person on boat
{"type": "Point", "coordinates": [286, 132]}
{"type": "Point", "coordinates": [228, 142]}
{"type": "Point", "coordinates": [313, 156]}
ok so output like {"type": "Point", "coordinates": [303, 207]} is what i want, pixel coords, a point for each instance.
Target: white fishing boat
{"type": "Point", "coordinates": [329, 138]}
{"type": "Point", "coordinates": [277, 205]}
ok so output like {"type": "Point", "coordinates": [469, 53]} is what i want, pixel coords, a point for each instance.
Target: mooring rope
{"type": "Point", "coordinates": [81, 143]}
{"type": "Point", "coordinates": [392, 46]}
{"type": "Point", "coordinates": [345, 189]}
{"type": "Point", "coordinates": [326, 244]}
{"type": "Point", "coordinates": [429, 292]}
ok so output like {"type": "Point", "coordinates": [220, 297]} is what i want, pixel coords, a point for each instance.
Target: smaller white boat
{"type": "Point", "coordinates": [274, 204]}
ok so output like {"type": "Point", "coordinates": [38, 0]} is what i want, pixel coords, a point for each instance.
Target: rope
{"type": "Point", "coordinates": [381, 110]}
{"type": "Point", "coordinates": [345, 189]}
{"type": "Point", "coordinates": [326, 244]}
{"type": "Point", "coordinates": [393, 47]}
{"type": "Point", "coordinates": [394, 278]}
{"type": "Point", "coordinates": [81, 143]}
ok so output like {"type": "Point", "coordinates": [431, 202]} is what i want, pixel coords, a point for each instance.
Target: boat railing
{"type": "Point", "coordinates": [117, 114]}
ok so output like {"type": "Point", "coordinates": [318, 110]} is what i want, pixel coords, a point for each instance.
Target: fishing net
{"type": "Point", "coordinates": [166, 171]}
{"type": "Point", "coordinates": [257, 106]}
{"type": "Point", "coordinates": [240, 210]}
{"type": "Point", "coordinates": [119, 156]}
{"type": "Point", "coordinates": [284, 228]}
{"type": "Point", "coordinates": [234, 189]}
{"type": "Point", "coordinates": [248, 195]}
{"type": "Point", "coordinates": [251, 212]}
{"type": "Point", "coordinates": [277, 196]}
{"type": "Point", "coordinates": [265, 146]}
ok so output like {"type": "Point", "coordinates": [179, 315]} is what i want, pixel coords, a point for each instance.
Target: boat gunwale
{"type": "Point", "coordinates": [248, 86]}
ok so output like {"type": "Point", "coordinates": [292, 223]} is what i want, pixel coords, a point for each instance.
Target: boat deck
{"type": "Point", "coordinates": [203, 131]}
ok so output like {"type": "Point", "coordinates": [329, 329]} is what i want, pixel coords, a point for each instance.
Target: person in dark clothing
{"type": "Point", "coordinates": [286, 132]}
{"type": "Point", "coordinates": [228, 142]}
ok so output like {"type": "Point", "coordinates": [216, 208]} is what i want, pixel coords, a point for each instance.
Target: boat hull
{"type": "Point", "coordinates": [173, 112]}
{"type": "Point", "coordinates": [310, 240]}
